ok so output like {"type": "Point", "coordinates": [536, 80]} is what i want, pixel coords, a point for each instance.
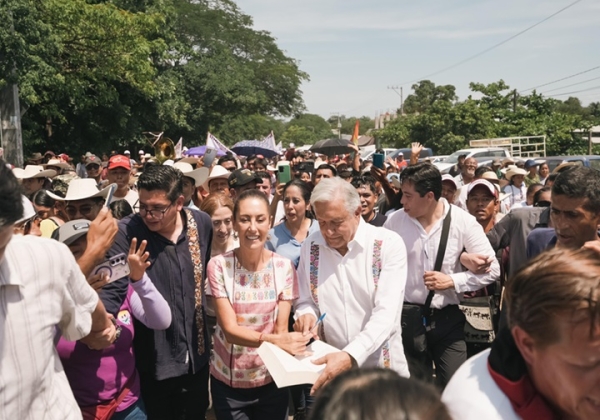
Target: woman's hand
{"type": "Point", "coordinates": [138, 260]}
{"type": "Point", "coordinates": [293, 343]}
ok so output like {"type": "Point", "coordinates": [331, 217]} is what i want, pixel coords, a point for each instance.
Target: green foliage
{"type": "Point", "coordinates": [445, 125]}
{"type": "Point", "coordinates": [241, 127]}
{"type": "Point", "coordinates": [95, 74]}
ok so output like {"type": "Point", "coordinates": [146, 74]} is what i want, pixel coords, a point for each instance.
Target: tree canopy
{"type": "Point", "coordinates": [97, 74]}
{"type": "Point", "coordinates": [438, 120]}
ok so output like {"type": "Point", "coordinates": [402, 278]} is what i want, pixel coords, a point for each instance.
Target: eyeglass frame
{"type": "Point", "coordinates": [139, 209]}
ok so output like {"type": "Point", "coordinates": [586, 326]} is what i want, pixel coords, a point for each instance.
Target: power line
{"type": "Point", "coordinates": [494, 46]}
{"type": "Point", "coordinates": [572, 84]}
{"type": "Point", "coordinates": [560, 80]}
{"type": "Point", "coordinates": [576, 91]}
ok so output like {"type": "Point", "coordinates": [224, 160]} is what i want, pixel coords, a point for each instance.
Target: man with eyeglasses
{"type": "Point", "coordinates": [83, 199]}
{"type": "Point", "coordinates": [173, 364]}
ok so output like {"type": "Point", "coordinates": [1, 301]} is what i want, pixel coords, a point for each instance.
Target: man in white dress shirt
{"type": "Point", "coordinates": [355, 274]}
{"type": "Point", "coordinates": [42, 291]}
{"type": "Point", "coordinates": [419, 224]}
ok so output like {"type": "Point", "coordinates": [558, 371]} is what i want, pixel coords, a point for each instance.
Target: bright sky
{"type": "Point", "coordinates": [354, 49]}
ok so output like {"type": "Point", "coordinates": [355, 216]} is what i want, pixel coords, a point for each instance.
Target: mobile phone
{"type": "Point", "coordinates": [116, 267]}
{"type": "Point", "coordinates": [209, 157]}
{"type": "Point", "coordinates": [378, 160]}
{"type": "Point", "coordinates": [284, 172]}
{"type": "Point", "coordinates": [109, 196]}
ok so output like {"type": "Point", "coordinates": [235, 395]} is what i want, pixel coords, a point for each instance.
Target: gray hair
{"type": "Point", "coordinates": [336, 188]}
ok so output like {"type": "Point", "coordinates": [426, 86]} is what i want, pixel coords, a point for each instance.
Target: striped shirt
{"type": "Point", "coordinates": [254, 297]}
{"type": "Point", "coordinates": [41, 288]}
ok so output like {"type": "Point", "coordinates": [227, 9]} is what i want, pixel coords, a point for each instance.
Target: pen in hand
{"type": "Point", "coordinates": [314, 328]}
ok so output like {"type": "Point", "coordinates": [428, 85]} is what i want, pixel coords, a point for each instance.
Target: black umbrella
{"type": "Point", "coordinates": [332, 147]}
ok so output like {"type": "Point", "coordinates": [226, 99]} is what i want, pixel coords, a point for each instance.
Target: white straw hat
{"type": "Point", "coordinates": [217, 172]}
{"type": "Point", "coordinates": [58, 163]}
{"type": "Point", "coordinates": [82, 189]}
{"type": "Point", "coordinates": [198, 175]}
{"type": "Point", "coordinates": [33, 171]}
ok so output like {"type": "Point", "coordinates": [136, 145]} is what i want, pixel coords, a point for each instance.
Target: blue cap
{"type": "Point", "coordinates": [530, 163]}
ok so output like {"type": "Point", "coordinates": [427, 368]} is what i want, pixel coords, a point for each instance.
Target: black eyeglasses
{"type": "Point", "coordinates": [542, 203]}
{"type": "Point", "coordinates": [85, 209]}
{"type": "Point", "coordinates": [157, 214]}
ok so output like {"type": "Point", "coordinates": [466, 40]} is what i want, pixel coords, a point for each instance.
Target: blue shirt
{"type": "Point", "coordinates": [282, 242]}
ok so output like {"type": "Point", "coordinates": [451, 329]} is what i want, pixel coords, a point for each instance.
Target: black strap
{"type": "Point", "coordinates": [440, 255]}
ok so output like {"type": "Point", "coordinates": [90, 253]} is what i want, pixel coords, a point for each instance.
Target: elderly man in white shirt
{"type": "Point", "coordinates": [419, 224]}
{"type": "Point", "coordinates": [355, 274]}
{"type": "Point", "coordinates": [41, 288]}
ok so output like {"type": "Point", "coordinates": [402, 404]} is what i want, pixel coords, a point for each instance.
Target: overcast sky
{"type": "Point", "coordinates": [354, 49]}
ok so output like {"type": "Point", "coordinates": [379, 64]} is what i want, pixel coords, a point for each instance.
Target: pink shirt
{"type": "Point", "coordinates": [254, 297]}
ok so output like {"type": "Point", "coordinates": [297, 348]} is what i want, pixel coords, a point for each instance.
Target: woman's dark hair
{"type": "Point", "coordinates": [538, 194]}
{"type": "Point", "coordinates": [162, 178]}
{"type": "Point", "coordinates": [246, 195]}
{"type": "Point", "coordinates": [41, 198]}
{"type": "Point", "coordinates": [424, 177]}
{"type": "Point", "coordinates": [377, 394]}
{"type": "Point", "coordinates": [305, 191]}
{"type": "Point", "coordinates": [120, 209]}
{"type": "Point", "coordinates": [11, 204]}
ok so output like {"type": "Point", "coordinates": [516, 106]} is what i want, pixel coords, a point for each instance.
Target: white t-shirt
{"type": "Point", "coordinates": [472, 393]}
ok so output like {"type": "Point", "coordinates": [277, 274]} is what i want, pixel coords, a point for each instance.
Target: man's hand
{"type": "Point", "coordinates": [100, 238]}
{"type": "Point", "coordinates": [138, 260]}
{"type": "Point", "coordinates": [305, 323]}
{"type": "Point", "coordinates": [593, 245]}
{"type": "Point", "coordinates": [335, 363]}
{"type": "Point", "coordinates": [476, 263]}
{"type": "Point", "coordinates": [99, 340]}
{"type": "Point", "coordinates": [434, 280]}
{"type": "Point", "coordinates": [378, 174]}
{"type": "Point", "coordinates": [97, 281]}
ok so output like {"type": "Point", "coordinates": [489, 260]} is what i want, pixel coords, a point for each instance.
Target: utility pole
{"type": "Point", "coordinates": [515, 100]}
{"type": "Point", "coordinates": [10, 120]}
{"type": "Point", "coordinates": [400, 92]}
{"type": "Point", "coordinates": [339, 124]}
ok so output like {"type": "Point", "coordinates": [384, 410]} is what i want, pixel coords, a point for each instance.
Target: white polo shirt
{"type": "Point", "coordinates": [41, 288]}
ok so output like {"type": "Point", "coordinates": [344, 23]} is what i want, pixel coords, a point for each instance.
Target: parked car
{"type": "Point", "coordinates": [592, 161]}
{"type": "Point", "coordinates": [407, 152]}
{"type": "Point", "coordinates": [366, 154]}
{"type": "Point", "coordinates": [482, 155]}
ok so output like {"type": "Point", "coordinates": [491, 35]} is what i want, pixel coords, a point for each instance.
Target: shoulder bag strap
{"type": "Point", "coordinates": [440, 254]}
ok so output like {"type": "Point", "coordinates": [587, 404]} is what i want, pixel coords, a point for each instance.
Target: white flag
{"type": "Point", "coordinates": [270, 141]}
{"type": "Point", "coordinates": [179, 148]}
{"type": "Point", "coordinates": [214, 143]}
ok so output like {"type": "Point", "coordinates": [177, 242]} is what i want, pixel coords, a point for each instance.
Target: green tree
{"type": "Point", "coordinates": [426, 93]}
{"type": "Point", "coordinates": [248, 127]}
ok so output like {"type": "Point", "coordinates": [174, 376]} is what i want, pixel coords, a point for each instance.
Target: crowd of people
{"type": "Point", "coordinates": [480, 285]}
